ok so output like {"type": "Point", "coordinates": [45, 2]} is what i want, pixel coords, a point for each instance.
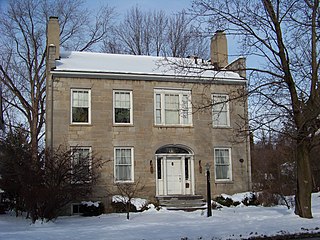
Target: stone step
{"type": "Point", "coordinates": [183, 202]}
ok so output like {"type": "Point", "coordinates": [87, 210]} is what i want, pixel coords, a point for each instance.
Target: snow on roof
{"type": "Point", "coordinates": [89, 62]}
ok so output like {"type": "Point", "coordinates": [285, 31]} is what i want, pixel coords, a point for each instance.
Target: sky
{"type": "Point", "coordinates": [170, 6]}
{"type": "Point", "coordinates": [231, 223]}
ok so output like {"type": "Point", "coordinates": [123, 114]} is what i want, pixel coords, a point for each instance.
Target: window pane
{"type": "Point", "coordinates": [222, 172]}
{"type": "Point", "coordinates": [220, 110]}
{"type": "Point", "coordinates": [158, 116]}
{"type": "Point", "coordinates": [122, 107]}
{"type": "Point", "coordinates": [159, 174]}
{"type": "Point", "coordinates": [122, 115]}
{"type": "Point", "coordinates": [80, 106]}
{"type": "Point", "coordinates": [222, 163]}
{"type": "Point", "coordinates": [80, 114]}
{"type": "Point", "coordinates": [172, 117]}
{"type": "Point", "coordinates": [172, 109]}
{"type": "Point", "coordinates": [123, 165]}
{"type": "Point", "coordinates": [81, 164]}
{"type": "Point", "coordinates": [123, 173]}
{"type": "Point", "coordinates": [158, 101]}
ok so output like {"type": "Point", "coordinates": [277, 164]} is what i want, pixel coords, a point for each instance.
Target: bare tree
{"type": "Point", "coordinates": [44, 189]}
{"type": "Point", "coordinates": [125, 193]}
{"type": "Point", "coordinates": [178, 35]}
{"type": "Point", "coordinates": [154, 33]}
{"type": "Point", "coordinates": [22, 62]}
{"type": "Point", "coordinates": [285, 90]}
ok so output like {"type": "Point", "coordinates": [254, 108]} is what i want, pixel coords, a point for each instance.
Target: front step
{"type": "Point", "coordinates": [182, 202]}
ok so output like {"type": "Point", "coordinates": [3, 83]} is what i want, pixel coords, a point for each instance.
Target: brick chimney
{"type": "Point", "coordinates": [53, 37]}
{"type": "Point", "coordinates": [219, 50]}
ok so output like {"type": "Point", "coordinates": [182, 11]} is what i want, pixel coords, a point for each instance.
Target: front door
{"type": "Point", "coordinates": [174, 175]}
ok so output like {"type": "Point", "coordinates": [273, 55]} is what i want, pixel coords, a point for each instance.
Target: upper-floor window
{"type": "Point", "coordinates": [222, 163]}
{"type": "Point", "coordinates": [80, 106]}
{"type": "Point", "coordinates": [220, 110]}
{"type": "Point", "coordinates": [122, 107]}
{"type": "Point", "coordinates": [81, 164]}
{"type": "Point", "coordinates": [173, 107]}
{"type": "Point", "coordinates": [123, 164]}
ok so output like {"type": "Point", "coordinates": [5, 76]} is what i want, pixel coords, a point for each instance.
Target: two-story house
{"type": "Point", "coordinates": [151, 117]}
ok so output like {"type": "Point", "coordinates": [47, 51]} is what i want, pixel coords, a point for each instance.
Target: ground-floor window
{"type": "Point", "coordinates": [123, 164]}
{"type": "Point", "coordinates": [76, 209]}
{"type": "Point", "coordinates": [222, 163]}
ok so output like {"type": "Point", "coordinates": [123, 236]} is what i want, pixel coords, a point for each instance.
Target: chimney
{"type": "Point", "coordinates": [53, 36]}
{"type": "Point", "coordinates": [219, 49]}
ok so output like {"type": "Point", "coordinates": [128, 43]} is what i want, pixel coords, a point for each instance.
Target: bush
{"type": "Point", "coordinates": [268, 199]}
{"type": "Point", "coordinates": [90, 209]}
{"type": "Point", "coordinates": [3, 208]}
{"type": "Point", "coordinates": [226, 201]}
{"type": "Point", "coordinates": [251, 200]}
{"type": "Point", "coordinates": [120, 207]}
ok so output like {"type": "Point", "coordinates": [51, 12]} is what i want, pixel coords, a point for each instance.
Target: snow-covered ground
{"type": "Point", "coordinates": [228, 223]}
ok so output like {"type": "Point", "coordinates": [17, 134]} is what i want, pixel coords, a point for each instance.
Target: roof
{"type": "Point", "coordinates": [148, 66]}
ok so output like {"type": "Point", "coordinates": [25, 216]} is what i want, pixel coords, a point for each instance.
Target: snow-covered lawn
{"type": "Point", "coordinates": [227, 223]}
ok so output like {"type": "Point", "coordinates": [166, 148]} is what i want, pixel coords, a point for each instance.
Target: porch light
{"type": "Point", "coordinates": [209, 210]}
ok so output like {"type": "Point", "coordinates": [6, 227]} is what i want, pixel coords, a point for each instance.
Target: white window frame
{"type": "Point", "coordinates": [216, 114]}
{"type": "Point", "coordinates": [115, 165]}
{"type": "Point", "coordinates": [131, 107]}
{"type": "Point", "coordinates": [159, 107]}
{"type": "Point", "coordinates": [89, 103]}
{"type": "Point", "coordinates": [74, 150]}
{"type": "Point", "coordinates": [229, 165]}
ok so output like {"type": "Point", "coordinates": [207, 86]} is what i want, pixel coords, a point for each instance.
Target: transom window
{"type": "Point", "coordinates": [220, 110]}
{"type": "Point", "coordinates": [80, 106]}
{"type": "Point", "coordinates": [122, 107]}
{"type": "Point", "coordinates": [123, 164]}
{"type": "Point", "coordinates": [222, 163]}
{"type": "Point", "coordinates": [173, 107]}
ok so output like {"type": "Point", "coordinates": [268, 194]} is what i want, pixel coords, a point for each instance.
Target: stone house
{"type": "Point", "coordinates": [146, 115]}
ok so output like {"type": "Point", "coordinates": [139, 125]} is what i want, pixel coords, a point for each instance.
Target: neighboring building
{"type": "Point", "coordinates": [141, 113]}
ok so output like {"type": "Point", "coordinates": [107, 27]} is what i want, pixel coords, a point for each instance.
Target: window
{"type": "Point", "coordinates": [159, 166]}
{"type": "Point", "coordinates": [77, 209]}
{"type": "Point", "coordinates": [122, 107]}
{"type": "Point", "coordinates": [173, 107]}
{"type": "Point", "coordinates": [123, 164]}
{"type": "Point", "coordinates": [222, 162]}
{"type": "Point", "coordinates": [80, 106]}
{"type": "Point", "coordinates": [220, 110]}
{"type": "Point", "coordinates": [81, 164]}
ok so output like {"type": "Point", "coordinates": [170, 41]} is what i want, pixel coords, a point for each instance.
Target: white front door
{"type": "Point", "coordinates": [174, 175]}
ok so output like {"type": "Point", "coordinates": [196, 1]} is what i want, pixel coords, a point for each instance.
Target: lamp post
{"type": "Point", "coordinates": [209, 211]}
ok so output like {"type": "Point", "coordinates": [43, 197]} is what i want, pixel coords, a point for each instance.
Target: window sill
{"type": "Point", "coordinates": [123, 182]}
{"type": "Point", "coordinates": [224, 181]}
{"type": "Point", "coordinates": [123, 125]}
{"type": "Point", "coordinates": [81, 124]}
{"type": "Point", "coordinates": [222, 127]}
{"type": "Point", "coordinates": [173, 126]}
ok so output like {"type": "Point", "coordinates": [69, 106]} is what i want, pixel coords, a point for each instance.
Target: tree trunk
{"type": "Point", "coordinates": [304, 181]}
{"type": "Point", "coordinates": [128, 209]}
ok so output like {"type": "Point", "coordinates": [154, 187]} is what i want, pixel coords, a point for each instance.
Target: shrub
{"type": "Point", "coordinates": [226, 201]}
{"type": "Point", "coordinates": [268, 199]}
{"type": "Point", "coordinates": [251, 200]}
{"type": "Point", "coordinates": [120, 207]}
{"type": "Point", "coordinates": [90, 209]}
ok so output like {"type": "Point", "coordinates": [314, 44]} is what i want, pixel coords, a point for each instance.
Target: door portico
{"type": "Point", "coordinates": [175, 170]}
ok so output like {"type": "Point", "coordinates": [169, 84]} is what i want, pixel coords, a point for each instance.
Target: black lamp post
{"type": "Point", "coordinates": [209, 212]}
